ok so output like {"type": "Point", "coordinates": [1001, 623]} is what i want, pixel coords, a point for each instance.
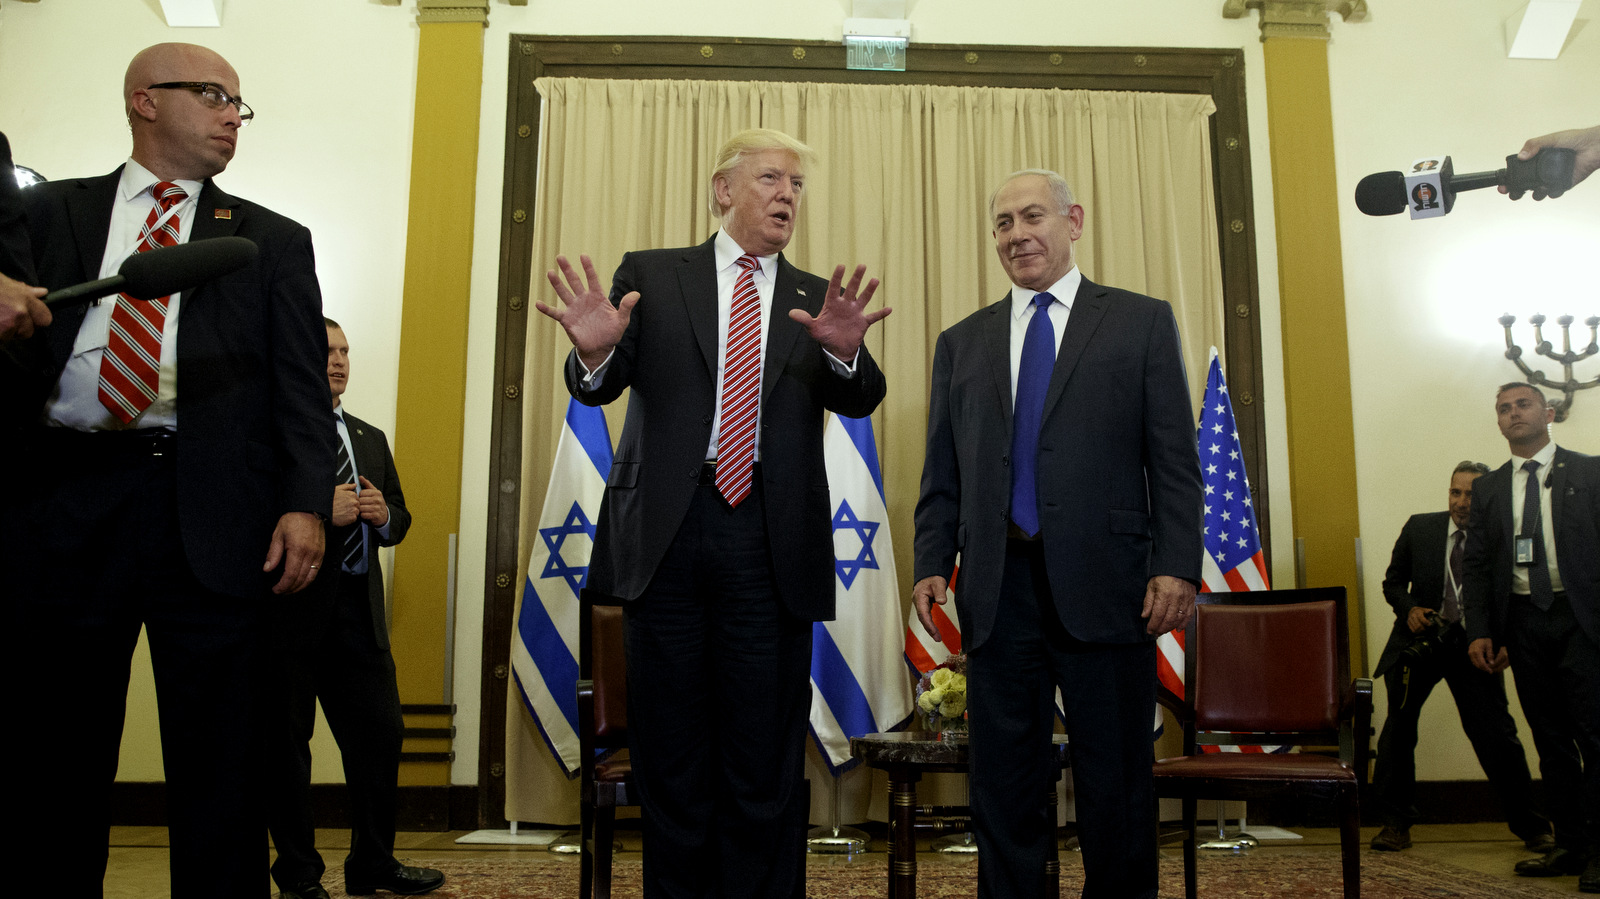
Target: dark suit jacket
{"type": "Point", "coordinates": [253, 435]}
{"type": "Point", "coordinates": [1415, 578]}
{"type": "Point", "coordinates": [1491, 544]}
{"type": "Point", "coordinates": [375, 463]}
{"type": "Point", "coordinates": [16, 260]}
{"type": "Point", "coordinates": [1118, 472]}
{"type": "Point", "coordinates": [668, 356]}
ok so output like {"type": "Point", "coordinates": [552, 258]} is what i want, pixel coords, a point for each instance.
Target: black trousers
{"type": "Point", "coordinates": [1557, 670]}
{"type": "Point", "coordinates": [718, 698]}
{"type": "Point", "coordinates": [92, 553]}
{"type": "Point", "coordinates": [1109, 691]}
{"type": "Point", "coordinates": [323, 648]}
{"type": "Point", "coordinates": [1486, 719]}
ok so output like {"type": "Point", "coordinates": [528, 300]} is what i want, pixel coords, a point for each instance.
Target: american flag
{"type": "Point", "coordinates": [922, 653]}
{"type": "Point", "coordinates": [1233, 561]}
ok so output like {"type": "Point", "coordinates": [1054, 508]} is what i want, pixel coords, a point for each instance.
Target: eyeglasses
{"type": "Point", "coordinates": [211, 95]}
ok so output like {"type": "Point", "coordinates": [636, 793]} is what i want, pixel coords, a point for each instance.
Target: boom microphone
{"type": "Point", "coordinates": [162, 272]}
{"type": "Point", "coordinates": [1429, 189]}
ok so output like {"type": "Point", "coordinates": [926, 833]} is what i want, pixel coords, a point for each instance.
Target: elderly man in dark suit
{"type": "Point", "coordinates": [332, 643]}
{"type": "Point", "coordinates": [1061, 464]}
{"type": "Point", "coordinates": [1428, 644]}
{"type": "Point", "coordinates": [177, 481]}
{"type": "Point", "coordinates": [715, 528]}
{"type": "Point", "coordinates": [1533, 602]}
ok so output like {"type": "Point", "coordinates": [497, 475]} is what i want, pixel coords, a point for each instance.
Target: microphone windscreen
{"type": "Point", "coordinates": [169, 270]}
{"type": "Point", "coordinates": [1383, 193]}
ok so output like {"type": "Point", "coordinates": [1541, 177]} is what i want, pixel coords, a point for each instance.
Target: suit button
{"type": "Point", "coordinates": [1005, 461]}
{"type": "Point", "coordinates": [694, 474]}
{"type": "Point", "coordinates": [706, 420]}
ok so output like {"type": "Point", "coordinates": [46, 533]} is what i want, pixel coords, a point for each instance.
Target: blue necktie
{"type": "Point", "coordinates": [1033, 381]}
{"type": "Point", "coordinates": [1539, 587]}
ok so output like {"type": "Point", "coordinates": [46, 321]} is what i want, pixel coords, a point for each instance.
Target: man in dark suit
{"type": "Point", "coordinates": [715, 528]}
{"type": "Point", "coordinates": [1533, 602]}
{"type": "Point", "coordinates": [332, 643]}
{"type": "Point", "coordinates": [177, 481]}
{"type": "Point", "coordinates": [1061, 465]}
{"type": "Point", "coordinates": [1428, 644]}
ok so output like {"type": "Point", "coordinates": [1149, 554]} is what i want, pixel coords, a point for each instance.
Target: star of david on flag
{"type": "Point", "coordinates": [858, 683]}
{"type": "Point", "coordinates": [544, 648]}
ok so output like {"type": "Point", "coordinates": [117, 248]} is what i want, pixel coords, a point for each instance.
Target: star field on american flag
{"type": "Point", "coordinates": [1230, 531]}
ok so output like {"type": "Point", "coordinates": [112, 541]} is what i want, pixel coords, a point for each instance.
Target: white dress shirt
{"type": "Point", "coordinates": [1022, 312]}
{"type": "Point", "coordinates": [1519, 492]}
{"type": "Point", "coordinates": [75, 403]}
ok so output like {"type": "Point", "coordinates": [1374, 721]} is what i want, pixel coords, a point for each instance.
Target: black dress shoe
{"type": "Point", "coordinates": [1589, 880]}
{"type": "Point", "coordinates": [1557, 862]}
{"type": "Point", "coordinates": [1543, 844]}
{"type": "Point", "coordinates": [312, 890]}
{"type": "Point", "coordinates": [403, 879]}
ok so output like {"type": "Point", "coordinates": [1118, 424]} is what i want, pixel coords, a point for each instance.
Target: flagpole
{"type": "Point", "coordinates": [834, 838]}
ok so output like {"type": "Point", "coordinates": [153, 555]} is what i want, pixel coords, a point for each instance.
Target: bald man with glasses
{"type": "Point", "coordinates": [178, 454]}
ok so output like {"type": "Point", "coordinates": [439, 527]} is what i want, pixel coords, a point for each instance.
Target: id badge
{"type": "Point", "coordinates": [1524, 550]}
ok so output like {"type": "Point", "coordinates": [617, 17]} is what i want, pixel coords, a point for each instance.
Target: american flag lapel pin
{"type": "Point", "coordinates": [224, 214]}
{"type": "Point", "coordinates": [799, 291]}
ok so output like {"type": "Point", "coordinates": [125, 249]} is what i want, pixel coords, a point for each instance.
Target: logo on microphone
{"type": "Point", "coordinates": [1423, 196]}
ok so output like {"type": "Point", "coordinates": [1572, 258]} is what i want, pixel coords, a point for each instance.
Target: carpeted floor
{"type": "Point", "coordinates": [1283, 873]}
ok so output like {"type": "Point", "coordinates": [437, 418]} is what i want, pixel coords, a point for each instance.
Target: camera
{"type": "Point", "coordinates": [1427, 643]}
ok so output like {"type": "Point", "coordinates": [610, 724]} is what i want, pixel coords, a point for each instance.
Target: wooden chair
{"type": "Point", "coordinates": [1271, 668]}
{"type": "Point", "coordinates": [602, 728]}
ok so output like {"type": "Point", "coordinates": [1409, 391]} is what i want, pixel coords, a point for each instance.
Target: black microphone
{"type": "Point", "coordinates": [1431, 187]}
{"type": "Point", "coordinates": [162, 272]}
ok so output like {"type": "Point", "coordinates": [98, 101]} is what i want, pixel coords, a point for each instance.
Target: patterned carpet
{"type": "Point", "coordinates": [1281, 873]}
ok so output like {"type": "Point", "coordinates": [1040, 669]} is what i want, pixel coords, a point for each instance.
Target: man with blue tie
{"type": "Point", "coordinates": [333, 645]}
{"type": "Point", "coordinates": [1062, 465]}
{"type": "Point", "coordinates": [1533, 602]}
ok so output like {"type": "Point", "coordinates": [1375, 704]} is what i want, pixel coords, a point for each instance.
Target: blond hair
{"type": "Point", "coordinates": [752, 140]}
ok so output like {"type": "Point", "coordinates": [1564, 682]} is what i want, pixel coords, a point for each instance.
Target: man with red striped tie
{"type": "Point", "coordinates": [715, 529]}
{"type": "Point", "coordinates": [178, 457]}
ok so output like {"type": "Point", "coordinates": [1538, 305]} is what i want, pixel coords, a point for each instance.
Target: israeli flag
{"type": "Point", "coordinates": [858, 675]}
{"type": "Point", "coordinates": [544, 649]}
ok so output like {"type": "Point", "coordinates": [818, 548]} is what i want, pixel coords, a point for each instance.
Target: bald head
{"type": "Point", "coordinates": [176, 135]}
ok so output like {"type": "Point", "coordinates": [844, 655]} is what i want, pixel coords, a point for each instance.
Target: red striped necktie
{"type": "Point", "coordinates": [741, 388]}
{"type": "Point", "coordinates": [130, 368]}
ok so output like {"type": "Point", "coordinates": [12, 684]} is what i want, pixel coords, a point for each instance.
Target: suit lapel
{"type": "Point", "coordinates": [216, 214]}
{"type": "Point", "coordinates": [89, 218]}
{"type": "Point", "coordinates": [1088, 309]}
{"type": "Point", "coordinates": [1558, 485]}
{"type": "Point", "coordinates": [89, 211]}
{"type": "Point", "coordinates": [996, 333]}
{"type": "Point", "coordinates": [782, 331]}
{"type": "Point", "coordinates": [697, 281]}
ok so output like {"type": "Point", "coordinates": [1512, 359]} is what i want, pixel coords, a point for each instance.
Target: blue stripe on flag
{"type": "Point", "coordinates": [588, 424]}
{"type": "Point", "coordinates": [838, 685]}
{"type": "Point", "coordinates": [860, 431]}
{"type": "Point", "coordinates": [556, 665]}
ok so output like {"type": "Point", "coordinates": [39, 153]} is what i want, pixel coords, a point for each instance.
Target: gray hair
{"type": "Point", "coordinates": [1467, 465]}
{"type": "Point", "coordinates": [1059, 188]}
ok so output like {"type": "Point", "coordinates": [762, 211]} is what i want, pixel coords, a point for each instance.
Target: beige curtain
{"type": "Point", "coordinates": [902, 186]}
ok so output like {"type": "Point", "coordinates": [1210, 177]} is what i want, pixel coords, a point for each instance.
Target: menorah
{"type": "Point", "coordinates": [1568, 385]}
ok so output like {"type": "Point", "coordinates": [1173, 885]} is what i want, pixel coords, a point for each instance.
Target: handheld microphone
{"type": "Point", "coordinates": [1429, 188]}
{"type": "Point", "coordinates": [163, 272]}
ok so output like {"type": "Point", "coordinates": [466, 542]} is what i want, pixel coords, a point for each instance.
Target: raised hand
{"type": "Point", "coordinates": [843, 321]}
{"type": "Point", "coordinates": [592, 324]}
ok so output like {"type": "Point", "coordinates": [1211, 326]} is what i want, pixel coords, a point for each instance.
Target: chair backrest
{"type": "Point", "coordinates": [601, 659]}
{"type": "Point", "coordinates": [1271, 661]}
